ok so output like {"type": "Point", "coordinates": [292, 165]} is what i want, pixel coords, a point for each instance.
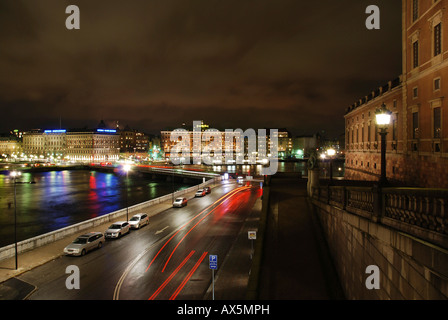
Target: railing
{"type": "Point", "coordinates": [427, 209]}
{"type": "Point", "coordinates": [352, 199]}
{"type": "Point", "coordinates": [418, 211]}
{"type": "Point", "coordinates": [179, 172]}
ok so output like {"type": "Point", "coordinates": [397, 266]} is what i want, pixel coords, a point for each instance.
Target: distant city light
{"type": "Point", "coordinates": [15, 173]}
{"type": "Point", "coordinates": [56, 131]}
{"type": "Point", "coordinates": [107, 130]}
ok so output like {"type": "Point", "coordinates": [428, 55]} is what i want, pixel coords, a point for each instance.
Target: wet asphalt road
{"type": "Point", "coordinates": [168, 259]}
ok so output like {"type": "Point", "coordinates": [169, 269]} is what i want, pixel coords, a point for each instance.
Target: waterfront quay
{"type": "Point", "coordinates": [50, 198]}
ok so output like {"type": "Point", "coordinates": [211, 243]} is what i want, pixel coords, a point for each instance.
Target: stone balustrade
{"type": "Point", "coordinates": [420, 212]}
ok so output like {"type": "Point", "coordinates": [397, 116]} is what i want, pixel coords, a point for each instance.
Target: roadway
{"type": "Point", "coordinates": [168, 259]}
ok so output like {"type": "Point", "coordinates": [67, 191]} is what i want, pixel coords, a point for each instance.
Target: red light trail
{"type": "Point", "coordinates": [228, 195]}
{"type": "Point", "coordinates": [184, 282]}
{"type": "Point", "coordinates": [154, 295]}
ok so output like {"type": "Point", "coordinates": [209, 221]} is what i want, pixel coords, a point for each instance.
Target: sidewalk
{"type": "Point", "coordinates": [11, 288]}
{"type": "Point", "coordinates": [233, 275]}
{"type": "Point", "coordinates": [296, 263]}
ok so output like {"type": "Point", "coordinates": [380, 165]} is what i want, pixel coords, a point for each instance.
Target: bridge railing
{"type": "Point", "coordinates": [420, 212]}
{"type": "Point", "coordinates": [179, 172]}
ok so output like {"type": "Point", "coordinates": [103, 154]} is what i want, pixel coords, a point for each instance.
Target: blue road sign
{"type": "Point", "coordinates": [213, 261]}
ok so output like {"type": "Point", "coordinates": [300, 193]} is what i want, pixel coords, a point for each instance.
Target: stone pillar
{"type": "Point", "coordinates": [313, 180]}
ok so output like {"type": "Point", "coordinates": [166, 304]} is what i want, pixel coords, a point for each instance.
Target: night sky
{"type": "Point", "coordinates": [154, 64]}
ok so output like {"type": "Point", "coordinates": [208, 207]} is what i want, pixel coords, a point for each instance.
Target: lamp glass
{"type": "Point", "coordinates": [382, 119]}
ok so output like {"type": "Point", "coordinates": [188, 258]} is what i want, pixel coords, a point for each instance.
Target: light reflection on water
{"type": "Point", "coordinates": [61, 198]}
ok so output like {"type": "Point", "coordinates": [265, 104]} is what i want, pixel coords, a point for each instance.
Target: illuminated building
{"type": "Point", "coordinates": [55, 143]}
{"type": "Point", "coordinates": [284, 142]}
{"type": "Point", "coordinates": [10, 146]}
{"type": "Point", "coordinates": [229, 141]}
{"type": "Point", "coordinates": [417, 139]}
{"type": "Point", "coordinates": [80, 145]}
{"type": "Point", "coordinates": [93, 145]}
{"type": "Point", "coordinates": [133, 141]}
{"type": "Point", "coordinates": [34, 143]}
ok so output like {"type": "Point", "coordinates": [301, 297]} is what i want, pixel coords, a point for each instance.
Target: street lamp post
{"type": "Point", "coordinates": [172, 181]}
{"type": "Point", "coordinates": [15, 174]}
{"type": "Point", "coordinates": [383, 116]}
{"type": "Point", "coordinates": [127, 168]}
{"type": "Point", "coordinates": [331, 152]}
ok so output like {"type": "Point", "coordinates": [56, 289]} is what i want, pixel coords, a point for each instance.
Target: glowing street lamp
{"type": "Point", "coordinates": [127, 168]}
{"type": "Point", "coordinates": [383, 117]}
{"type": "Point", "coordinates": [15, 175]}
{"type": "Point", "coordinates": [331, 152]}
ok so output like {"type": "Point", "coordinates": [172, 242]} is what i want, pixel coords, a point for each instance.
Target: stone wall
{"type": "Point", "coordinates": [410, 268]}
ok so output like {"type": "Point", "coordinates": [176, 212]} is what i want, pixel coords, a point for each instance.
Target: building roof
{"type": "Point", "coordinates": [376, 93]}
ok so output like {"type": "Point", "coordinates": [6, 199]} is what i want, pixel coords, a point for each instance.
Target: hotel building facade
{"type": "Point", "coordinates": [79, 145]}
{"type": "Point", "coordinates": [10, 146]}
{"type": "Point", "coordinates": [44, 143]}
{"type": "Point", "coordinates": [229, 143]}
{"type": "Point", "coordinates": [417, 139]}
{"type": "Point", "coordinates": [233, 142]}
{"type": "Point", "coordinates": [93, 145]}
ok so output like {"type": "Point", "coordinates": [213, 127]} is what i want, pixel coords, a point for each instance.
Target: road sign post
{"type": "Point", "coordinates": [252, 235]}
{"type": "Point", "coordinates": [213, 265]}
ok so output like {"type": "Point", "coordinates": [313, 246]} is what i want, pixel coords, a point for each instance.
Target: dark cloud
{"type": "Point", "coordinates": [151, 64]}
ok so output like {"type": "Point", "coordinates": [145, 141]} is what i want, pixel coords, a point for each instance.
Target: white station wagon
{"type": "Point", "coordinates": [81, 245]}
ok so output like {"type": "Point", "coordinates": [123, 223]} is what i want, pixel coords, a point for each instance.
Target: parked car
{"type": "Point", "coordinates": [200, 193]}
{"type": "Point", "coordinates": [139, 220]}
{"type": "Point", "coordinates": [207, 190]}
{"type": "Point", "coordinates": [180, 202]}
{"type": "Point", "coordinates": [82, 244]}
{"type": "Point", "coordinates": [117, 229]}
